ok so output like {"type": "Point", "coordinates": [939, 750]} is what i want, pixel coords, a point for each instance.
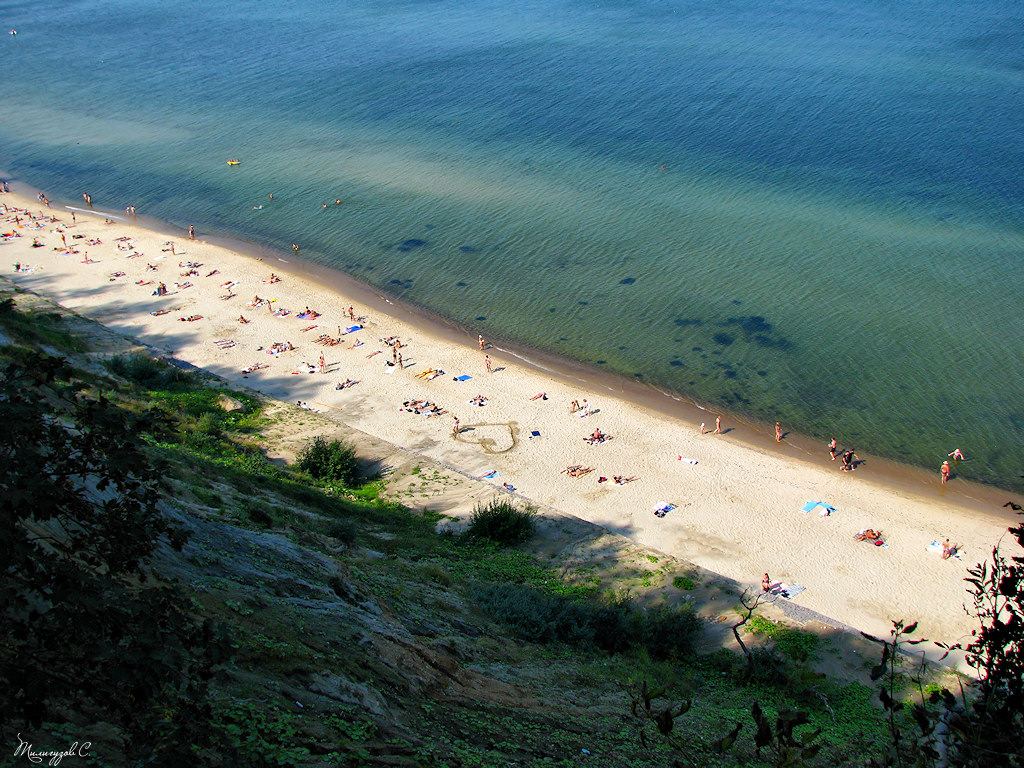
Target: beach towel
{"type": "Point", "coordinates": [489, 474]}
{"type": "Point", "coordinates": [353, 329]}
{"type": "Point", "coordinates": [937, 548]}
{"type": "Point", "coordinates": [534, 433]}
{"type": "Point", "coordinates": [686, 460]}
{"type": "Point", "coordinates": [660, 510]}
{"type": "Point", "coordinates": [463, 377]}
{"type": "Point", "coordinates": [827, 510]}
{"type": "Point", "coordinates": [788, 591]}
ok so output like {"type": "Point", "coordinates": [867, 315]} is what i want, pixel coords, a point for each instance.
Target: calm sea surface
{"type": "Point", "coordinates": [810, 212]}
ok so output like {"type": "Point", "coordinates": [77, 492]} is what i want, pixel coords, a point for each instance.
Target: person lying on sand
{"type": "Point", "coordinates": [478, 400]}
{"type": "Point", "coordinates": [243, 319]}
{"type": "Point", "coordinates": [871, 535]}
{"type": "Point", "coordinates": [345, 384]}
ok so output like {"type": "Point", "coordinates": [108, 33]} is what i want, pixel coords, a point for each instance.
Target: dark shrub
{"type": "Point", "coordinates": [147, 371]}
{"type": "Point", "coordinates": [502, 522]}
{"type": "Point", "coordinates": [330, 461]}
{"type": "Point", "coordinates": [614, 626]}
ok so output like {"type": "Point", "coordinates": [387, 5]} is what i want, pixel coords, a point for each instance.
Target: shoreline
{"type": "Point", "coordinates": [738, 508]}
{"type": "Point", "coordinates": [908, 478]}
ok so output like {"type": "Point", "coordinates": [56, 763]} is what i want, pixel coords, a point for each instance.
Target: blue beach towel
{"type": "Point", "coordinates": [354, 328]}
{"type": "Point", "coordinates": [534, 433]}
{"type": "Point", "coordinates": [463, 377]}
{"type": "Point", "coordinates": [810, 505]}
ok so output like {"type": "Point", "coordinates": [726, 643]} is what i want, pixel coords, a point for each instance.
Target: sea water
{"type": "Point", "coordinates": [804, 212]}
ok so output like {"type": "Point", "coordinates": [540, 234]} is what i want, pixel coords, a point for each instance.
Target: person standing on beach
{"type": "Point", "coordinates": [833, 446]}
{"type": "Point", "coordinates": [778, 432]}
{"type": "Point", "coordinates": [323, 364]}
{"type": "Point", "coordinates": [399, 361]}
{"type": "Point", "coordinates": [455, 427]}
{"type": "Point", "coordinates": [480, 341]}
{"type": "Point", "coordinates": [703, 429]}
{"type": "Point", "coordinates": [945, 470]}
{"type": "Point", "coordinates": [191, 232]}
{"type": "Point", "coordinates": [487, 362]}
{"type": "Point", "coordinates": [718, 425]}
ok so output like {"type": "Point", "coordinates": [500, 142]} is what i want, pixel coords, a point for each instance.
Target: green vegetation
{"type": "Point", "coordinates": [615, 625]}
{"type": "Point", "coordinates": [502, 522]}
{"type": "Point", "coordinates": [684, 582]}
{"type": "Point", "coordinates": [797, 645]}
{"type": "Point", "coordinates": [330, 461]}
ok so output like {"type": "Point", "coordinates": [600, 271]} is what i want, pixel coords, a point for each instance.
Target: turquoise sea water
{"type": "Point", "coordinates": [811, 213]}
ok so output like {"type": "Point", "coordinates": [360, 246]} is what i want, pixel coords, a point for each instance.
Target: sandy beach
{"type": "Point", "coordinates": [734, 500]}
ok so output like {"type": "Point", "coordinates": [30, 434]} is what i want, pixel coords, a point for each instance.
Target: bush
{"type": "Point", "coordinates": [147, 371]}
{"type": "Point", "coordinates": [613, 626]}
{"type": "Point", "coordinates": [344, 530]}
{"type": "Point", "coordinates": [502, 522]}
{"type": "Point", "coordinates": [332, 462]}
{"type": "Point", "coordinates": [684, 582]}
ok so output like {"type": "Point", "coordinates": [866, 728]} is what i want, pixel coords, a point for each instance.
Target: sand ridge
{"type": "Point", "coordinates": [737, 510]}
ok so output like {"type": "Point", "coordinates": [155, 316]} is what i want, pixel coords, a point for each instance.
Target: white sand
{"type": "Point", "coordinates": [738, 507]}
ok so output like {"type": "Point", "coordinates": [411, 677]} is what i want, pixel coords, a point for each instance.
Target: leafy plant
{"type": "Point", "coordinates": [502, 522]}
{"type": "Point", "coordinates": [331, 461]}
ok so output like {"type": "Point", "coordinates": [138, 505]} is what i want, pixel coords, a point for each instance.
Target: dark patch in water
{"type": "Point", "coordinates": [764, 341]}
{"type": "Point", "coordinates": [468, 249]}
{"type": "Point", "coordinates": [482, 317]}
{"type": "Point", "coordinates": [396, 282]}
{"type": "Point", "coordinates": [762, 373]}
{"type": "Point", "coordinates": [752, 324]}
{"type": "Point", "coordinates": [462, 285]}
{"type": "Point", "coordinates": [638, 375]}
{"type": "Point", "coordinates": [723, 338]}
{"type": "Point", "coordinates": [682, 322]}
{"type": "Point", "coordinates": [601, 362]}
{"type": "Point", "coordinates": [553, 309]}
{"type": "Point", "coordinates": [412, 242]}
{"type": "Point", "coordinates": [622, 348]}
{"type": "Point", "coordinates": [627, 281]}
{"type": "Point", "coordinates": [583, 303]}
{"type": "Point", "coordinates": [736, 301]}
{"type": "Point", "coordinates": [370, 268]}
{"type": "Point", "coordinates": [730, 374]}
{"type": "Point", "coordinates": [563, 338]}
{"type": "Point", "coordinates": [429, 226]}
{"type": "Point", "coordinates": [698, 349]}
{"type": "Point", "coordinates": [675, 363]}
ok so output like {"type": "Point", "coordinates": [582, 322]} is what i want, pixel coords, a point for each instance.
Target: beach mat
{"type": "Point", "coordinates": [463, 377]}
{"type": "Point", "coordinates": [788, 591]}
{"type": "Point", "coordinates": [811, 505]}
{"type": "Point", "coordinates": [534, 433]}
{"type": "Point", "coordinates": [685, 460]}
{"type": "Point", "coordinates": [660, 510]}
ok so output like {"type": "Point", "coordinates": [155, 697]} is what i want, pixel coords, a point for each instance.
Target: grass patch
{"type": "Point", "coordinates": [615, 626]}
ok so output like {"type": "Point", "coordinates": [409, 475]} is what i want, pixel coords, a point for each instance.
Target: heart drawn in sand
{"type": "Point", "coordinates": [492, 438]}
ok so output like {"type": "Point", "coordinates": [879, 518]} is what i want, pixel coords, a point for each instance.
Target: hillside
{"type": "Point", "coordinates": [358, 624]}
